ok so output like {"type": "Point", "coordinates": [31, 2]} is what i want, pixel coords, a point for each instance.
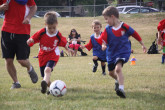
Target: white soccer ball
{"type": "Point", "coordinates": [57, 88]}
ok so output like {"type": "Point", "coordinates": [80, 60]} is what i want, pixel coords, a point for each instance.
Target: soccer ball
{"type": "Point", "coordinates": [57, 88]}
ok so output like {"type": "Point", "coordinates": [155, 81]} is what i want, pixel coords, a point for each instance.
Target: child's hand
{"type": "Point", "coordinates": [104, 47]}
{"type": "Point", "coordinates": [82, 47]}
{"type": "Point", "coordinates": [30, 42]}
{"type": "Point", "coordinates": [4, 7]}
{"type": "Point", "coordinates": [144, 49]}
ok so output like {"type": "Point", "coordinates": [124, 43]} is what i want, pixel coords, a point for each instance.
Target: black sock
{"type": "Point", "coordinates": [95, 62]}
{"type": "Point", "coordinates": [103, 68]}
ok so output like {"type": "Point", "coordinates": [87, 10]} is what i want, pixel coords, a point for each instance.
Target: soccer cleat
{"type": "Point", "coordinates": [43, 87]}
{"type": "Point", "coordinates": [83, 54]}
{"type": "Point", "coordinates": [15, 86]}
{"type": "Point", "coordinates": [116, 86]}
{"type": "Point", "coordinates": [48, 92]}
{"type": "Point", "coordinates": [120, 93]}
{"type": "Point", "coordinates": [94, 68]}
{"type": "Point", "coordinates": [33, 75]}
{"type": "Point", "coordinates": [103, 73]}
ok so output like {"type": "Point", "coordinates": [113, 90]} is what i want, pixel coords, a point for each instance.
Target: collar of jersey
{"type": "Point", "coordinates": [97, 36]}
{"type": "Point", "coordinates": [118, 26]}
{"type": "Point", "coordinates": [51, 35]}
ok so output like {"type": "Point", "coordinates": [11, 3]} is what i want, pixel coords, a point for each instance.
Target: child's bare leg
{"type": "Point", "coordinates": [75, 52]}
{"type": "Point", "coordinates": [120, 76]}
{"type": "Point", "coordinates": [46, 79]}
{"type": "Point", "coordinates": [113, 74]}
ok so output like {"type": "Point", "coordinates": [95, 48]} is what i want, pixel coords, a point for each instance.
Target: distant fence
{"type": "Point", "coordinates": [73, 11]}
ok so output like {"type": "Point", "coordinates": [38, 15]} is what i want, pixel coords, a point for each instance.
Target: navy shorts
{"type": "Point", "coordinates": [50, 64]}
{"type": "Point", "coordinates": [15, 44]}
{"type": "Point", "coordinates": [112, 65]}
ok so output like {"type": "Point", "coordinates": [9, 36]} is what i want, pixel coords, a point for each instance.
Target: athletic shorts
{"type": "Point", "coordinates": [112, 65]}
{"type": "Point", "coordinates": [50, 64]}
{"type": "Point", "coordinates": [15, 44]}
{"type": "Point", "coordinates": [74, 46]}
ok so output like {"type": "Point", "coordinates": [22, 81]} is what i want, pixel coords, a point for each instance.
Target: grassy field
{"type": "Point", "coordinates": [144, 82]}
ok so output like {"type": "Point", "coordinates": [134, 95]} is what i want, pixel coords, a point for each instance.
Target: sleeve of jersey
{"type": "Point", "coordinates": [102, 38]}
{"type": "Point", "coordinates": [63, 41]}
{"type": "Point", "coordinates": [133, 33]}
{"type": "Point", "coordinates": [89, 46]}
{"type": "Point", "coordinates": [36, 36]}
{"type": "Point", "coordinates": [31, 3]}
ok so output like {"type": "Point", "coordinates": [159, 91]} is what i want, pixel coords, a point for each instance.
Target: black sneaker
{"type": "Point", "coordinates": [15, 86]}
{"type": "Point", "coordinates": [33, 75]}
{"type": "Point", "coordinates": [103, 73]}
{"type": "Point", "coordinates": [94, 68]}
{"type": "Point", "coordinates": [83, 54]}
{"type": "Point", "coordinates": [43, 87]}
{"type": "Point", "coordinates": [120, 93]}
{"type": "Point", "coordinates": [116, 86]}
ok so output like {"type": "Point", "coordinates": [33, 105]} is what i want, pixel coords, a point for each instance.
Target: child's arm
{"type": "Point", "coordinates": [138, 38]}
{"type": "Point", "coordinates": [3, 7]}
{"type": "Point", "coordinates": [159, 38]}
{"type": "Point", "coordinates": [88, 46]}
{"type": "Point", "coordinates": [104, 46]}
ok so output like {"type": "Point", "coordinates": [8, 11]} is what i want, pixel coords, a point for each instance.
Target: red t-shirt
{"type": "Point", "coordinates": [14, 17]}
{"type": "Point", "coordinates": [48, 46]}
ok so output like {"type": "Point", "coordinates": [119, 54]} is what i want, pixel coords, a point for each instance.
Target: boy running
{"type": "Point", "coordinates": [116, 36]}
{"type": "Point", "coordinates": [49, 39]}
{"type": "Point", "coordinates": [98, 53]}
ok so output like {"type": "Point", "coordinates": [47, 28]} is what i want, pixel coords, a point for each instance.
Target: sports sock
{"type": "Point", "coordinates": [95, 62]}
{"type": "Point", "coordinates": [103, 68]}
{"type": "Point", "coordinates": [30, 68]}
{"type": "Point", "coordinates": [121, 87]}
{"type": "Point", "coordinates": [116, 81]}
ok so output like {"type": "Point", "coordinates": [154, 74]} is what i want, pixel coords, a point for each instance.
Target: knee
{"type": "Point", "coordinates": [95, 57]}
{"type": "Point", "coordinates": [22, 62]}
{"type": "Point", "coordinates": [9, 62]}
{"type": "Point", "coordinates": [118, 70]}
{"type": "Point", "coordinates": [111, 73]}
{"type": "Point", "coordinates": [47, 70]}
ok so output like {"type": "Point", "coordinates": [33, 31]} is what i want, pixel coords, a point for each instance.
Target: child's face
{"type": "Point", "coordinates": [96, 29]}
{"type": "Point", "coordinates": [51, 28]}
{"type": "Point", "coordinates": [73, 33]}
{"type": "Point", "coordinates": [109, 20]}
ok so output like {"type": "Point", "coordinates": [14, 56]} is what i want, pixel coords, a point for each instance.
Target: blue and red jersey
{"type": "Point", "coordinates": [97, 49]}
{"type": "Point", "coordinates": [117, 40]}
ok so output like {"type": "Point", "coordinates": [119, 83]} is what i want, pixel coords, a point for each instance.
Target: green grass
{"type": "Point", "coordinates": [144, 82]}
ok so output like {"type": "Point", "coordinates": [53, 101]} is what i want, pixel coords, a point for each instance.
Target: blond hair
{"type": "Point", "coordinates": [110, 11]}
{"type": "Point", "coordinates": [96, 22]}
{"type": "Point", "coordinates": [50, 17]}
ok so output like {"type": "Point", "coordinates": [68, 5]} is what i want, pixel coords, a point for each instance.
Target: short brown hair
{"type": "Point", "coordinates": [50, 17]}
{"type": "Point", "coordinates": [96, 22]}
{"type": "Point", "coordinates": [110, 11]}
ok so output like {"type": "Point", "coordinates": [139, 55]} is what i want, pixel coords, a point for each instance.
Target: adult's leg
{"type": "Point", "coordinates": [11, 69]}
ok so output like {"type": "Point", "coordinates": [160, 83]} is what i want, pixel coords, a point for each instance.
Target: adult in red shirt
{"type": "Point", "coordinates": [15, 32]}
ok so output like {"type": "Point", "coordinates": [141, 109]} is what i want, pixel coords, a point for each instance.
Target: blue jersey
{"type": "Point", "coordinates": [97, 49]}
{"type": "Point", "coordinates": [118, 47]}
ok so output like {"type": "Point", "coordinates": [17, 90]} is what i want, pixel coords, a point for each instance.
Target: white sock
{"type": "Point", "coordinates": [17, 82]}
{"type": "Point", "coordinates": [30, 69]}
{"type": "Point", "coordinates": [121, 87]}
{"type": "Point", "coordinates": [116, 81]}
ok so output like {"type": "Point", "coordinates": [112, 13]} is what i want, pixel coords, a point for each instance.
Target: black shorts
{"type": "Point", "coordinates": [112, 66]}
{"type": "Point", "coordinates": [15, 44]}
{"type": "Point", "coordinates": [50, 64]}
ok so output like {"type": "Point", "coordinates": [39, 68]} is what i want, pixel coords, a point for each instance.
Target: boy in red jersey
{"type": "Point", "coordinates": [161, 37]}
{"type": "Point", "coordinates": [116, 36]}
{"type": "Point", "coordinates": [15, 32]}
{"type": "Point", "coordinates": [49, 39]}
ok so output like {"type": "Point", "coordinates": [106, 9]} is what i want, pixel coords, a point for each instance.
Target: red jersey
{"type": "Point", "coordinates": [14, 17]}
{"type": "Point", "coordinates": [48, 46]}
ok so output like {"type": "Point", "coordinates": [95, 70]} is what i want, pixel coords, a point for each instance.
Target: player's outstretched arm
{"type": "Point", "coordinates": [143, 46]}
